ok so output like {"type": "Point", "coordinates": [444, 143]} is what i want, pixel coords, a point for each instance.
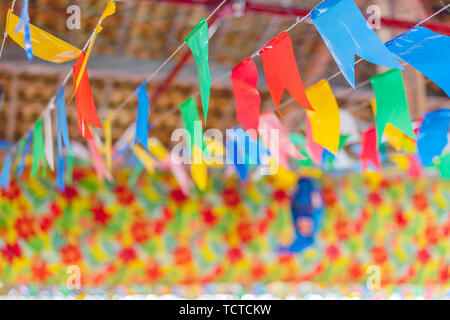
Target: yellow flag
{"type": "Point", "coordinates": [145, 158]}
{"type": "Point", "coordinates": [110, 9]}
{"type": "Point", "coordinates": [199, 171]}
{"type": "Point", "coordinates": [157, 148]}
{"type": "Point", "coordinates": [325, 122]}
{"type": "Point", "coordinates": [108, 141]}
{"type": "Point", "coordinates": [45, 45]}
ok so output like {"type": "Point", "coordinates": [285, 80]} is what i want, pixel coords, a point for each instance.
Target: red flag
{"type": "Point", "coordinates": [369, 152]}
{"type": "Point", "coordinates": [86, 111]}
{"type": "Point", "coordinates": [244, 79]}
{"type": "Point", "coordinates": [281, 71]}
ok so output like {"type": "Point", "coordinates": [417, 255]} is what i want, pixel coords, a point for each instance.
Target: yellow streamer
{"type": "Point", "coordinates": [157, 148]}
{"type": "Point", "coordinates": [145, 158]}
{"type": "Point", "coordinates": [45, 45]}
{"type": "Point", "coordinates": [199, 171]}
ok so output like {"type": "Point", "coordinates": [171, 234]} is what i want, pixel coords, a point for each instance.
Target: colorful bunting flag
{"type": "Point", "coordinates": [142, 115]}
{"type": "Point", "coordinates": [61, 121]}
{"type": "Point", "coordinates": [60, 169]}
{"type": "Point", "coordinates": [236, 146]}
{"type": "Point", "coordinates": [86, 111]}
{"type": "Point", "coordinates": [426, 51]}
{"type": "Point", "coordinates": [369, 152]}
{"type": "Point", "coordinates": [314, 150]}
{"type": "Point", "coordinates": [48, 137]}
{"type": "Point", "coordinates": [391, 103]}
{"type": "Point", "coordinates": [23, 152]}
{"type": "Point", "coordinates": [244, 78]}
{"type": "Point", "coordinates": [38, 148]}
{"type": "Point", "coordinates": [99, 164]}
{"type": "Point", "coordinates": [432, 136]}
{"type": "Point", "coordinates": [24, 25]}
{"type": "Point", "coordinates": [44, 45]}
{"type": "Point", "coordinates": [5, 176]}
{"type": "Point", "coordinates": [145, 158]}
{"type": "Point", "coordinates": [346, 32]}
{"type": "Point", "coordinates": [280, 68]}
{"type": "Point", "coordinates": [325, 122]}
{"type": "Point", "coordinates": [275, 137]}
{"type": "Point", "coordinates": [198, 41]}
{"type": "Point", "coordinates": [180, 174]}
{"type": "Point", "coordinates": [108, 140]}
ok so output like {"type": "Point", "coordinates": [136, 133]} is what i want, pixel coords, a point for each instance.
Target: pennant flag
{"type": "Point", "coordinates": [142, 115]}
{"type": "Point", "coordinates": [432, 136]}
{"type": "Point", "coordinates": [61, 121]}
{"type": "Point", "coordinates": [38, 148]}
{"type": "Point", "coordinates": [145, 158]}
{"type": "Point", "coordinates": [109, 10]}
{"type": "Point", "coordinates": [108, 140]}
{"type": "Point", "coordinates": [180, 174]}
{"type": "Point", "coordinates": [314, 150]}
{"type": "Point", "coordinates": [349, 127]}
{"type": "Point", "coordinates": [275, 137]}
{"type": "Point", "coordinates": [236, 145]}
{"type": "Point", "coordinates": [244, 78]}
{"type": "Point", "coordinates": [24, 23]}
{"type": "Point", "coordinates": [426, 51]}
{"type": "Point", "coordinates": [280, 68]}
{"type": "Point", "coordinates": [5, 176]}
{"type": "Point", "coordinates": [325, 122]}
{"type": "Point", "coordinates": [69, 167]}
{"type": "Point", "coordinates": [86, 111]}
{"type": "Point", "coordinates": [60, 168]}
{"type": "Point", "coordinates": [195, 142]}
{"type": "Point", "coordinates": [43, 44]}
{"type": "Point", "coordinates": [391, 104]}
{"type": "Point", "coordinates": [23, 152]}
{"type": "Point", "coordinates": [414, 168]}
{"type": "Point", "coordinates": [99, 164]}
{"type": "Point", "coordinates": [369, 152]}
{"type": "Point", "coordinates": [346, 32]}
{"type": "Point", "coordinates": [157, 148]}
{"type": "Point", "coordinates": [443, 164]}
{"type": "Point", "coordinates": [48, 137]}
{"type": "Point", "coordinates": [197, 41]}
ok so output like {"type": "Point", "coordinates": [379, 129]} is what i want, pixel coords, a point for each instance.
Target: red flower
{"type": "Point", "coordinates": [13, 192]}
{"type": "Point", "coordinates": [140, 231]}
{"type": "Point", "coordinates": [342, 229]}
{"type": "Point", "coordinates": [78, 174]}
{"type": "Point", "coordinates": [39, 271]}
{"type": "Point", "coordinates": [444, 274]}
{"type": "Point", "coordinates": [234, 254]}
{"type": "Point", "coordinates": [70, 254]}
{"type": "Point", "coordinates": [432, 234]}
{"type": "Point", "coordinates": [245, 231]}
{"type": "Point", "coordinates": [153, 272]}
{"type": "Point", "coordinates": [11, 251]}
{"type": "Point", "coordinates": [209, 218]}
{"type": "Point", "coordinates": [355, 271]}
{"type": "Point", "coordinates": [69, 193]}
{"type": "Point", "coordinates": [178, 196]}
{"type": "Point", "coordinates": [329, 196]}
{"type": "Point", "coordinates": [423, 255]}
{"type": "Point", "coordinates": [375, 199]}
{"type": "Point", "coordinates": [55, 210]}
{"type": "Point", "coordinates": [231, 197]}
{"type": "Point", "coordinates": [124, 195]}
{"type": "Point", "coordinates": [420, 202]}
{"type": "Point", "coordinates": [127, 255]}
{"type": "Point", "coordinates": [182, 255]}
{"type": "Point", "coordinates": [25, 227]}
{"type": "Point", "coordinates": [280, 196]}
{"type": "Point", "coordinates": [258, 271]}
{"type": "Point", "coordinates": [332, 252]}
{"type": "Point", "coordinates": [45, 223]}
{"type": "Point", "coordinates": [400, 219]}
{"type": "Point", "coordinates": [379, 255]}
{"type": "Point", "coordinates": [167, 214]}
{"type": "Point", "coordinates": [100, 215]}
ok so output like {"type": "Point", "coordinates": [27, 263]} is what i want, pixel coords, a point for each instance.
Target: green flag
{"type": "Point", "coordinates": [391, 103]}
{"type": "Point", "coordinates": [192, 123]}
{"type": "Point", "coordinates": [38, 148]}
{"type": "Point", "coordinates": [197, 41]}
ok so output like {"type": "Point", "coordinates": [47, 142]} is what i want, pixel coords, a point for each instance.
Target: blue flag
{"type": "Point", "coordinates": [427, 52]}
{"type": "Point", "coordinates": [5, 176]}
{"type": "Point", "coordinates": [21, 166]}
{"type": "Point", "coordinates": [25, 23]}
{"type": "Point", "coordinates": [142, 115]}
{"type": "Point", "coordinates": [432, 136]}
{"type": "Point", "coordinates": [61, 121]}
{"type": "Point", "coordinates": [346, 32]}
{"type": "Point", "coordinates": [60, 173]}
{"type": "Point", "coordinates": [236, 148]}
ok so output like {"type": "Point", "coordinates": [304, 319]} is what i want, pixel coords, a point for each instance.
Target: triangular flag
{"type": "Point", "coordinates": [24, 22]}
{"type": "Point", "coordinates": [427, 52]}
{"type": "Point", "coordinates": [60, 169]}
{"type": "Point", "coordinates": [443, 165]}
{"type": "Point", "coordinates": [145, 158]}
{"type": "Point", "coordinates": [108, 140]}
{"type": "Point", "coordinates": [244, 78]}
{"type": "Point", "coordinates": [38, 148]}
{"type": "Point", "coordinates": [325, 122]}
{"type": "Point", "coordinates": [314, 150]}
{"type": "Point", "coordinates": [61, 121]}
{"type": "Point", "coordinates": [99, 164]}
{"type": "Point", "coordinates": [369, 152]}
{"type": "Point", "coordinates": [197, 41]}
{"type": "Point", "coordinates": [48, 137]}
{"type": "Point", "coordinates": [275, 137]}
{"type": "Point", "coordinates": [199, 171]}
{"type": "Point", "coordinates": [142, 115]}
{"type": "Point", "coordinates": [86, 111]}
{"type": "Point", "coordinates": [24, 152]}
{"type": "Point", "coordinates": [5, 176]}
{"type": "Point", "coordinates": [180, 174]}
{"type": "Point", "coordinates": [280, 68]}
{"type": "Point", "coordinates": [346, 33]}
{"type": "Point", "coordinates": [45, 45]}
{"type": "Point", "coordinates": [391, 103]}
